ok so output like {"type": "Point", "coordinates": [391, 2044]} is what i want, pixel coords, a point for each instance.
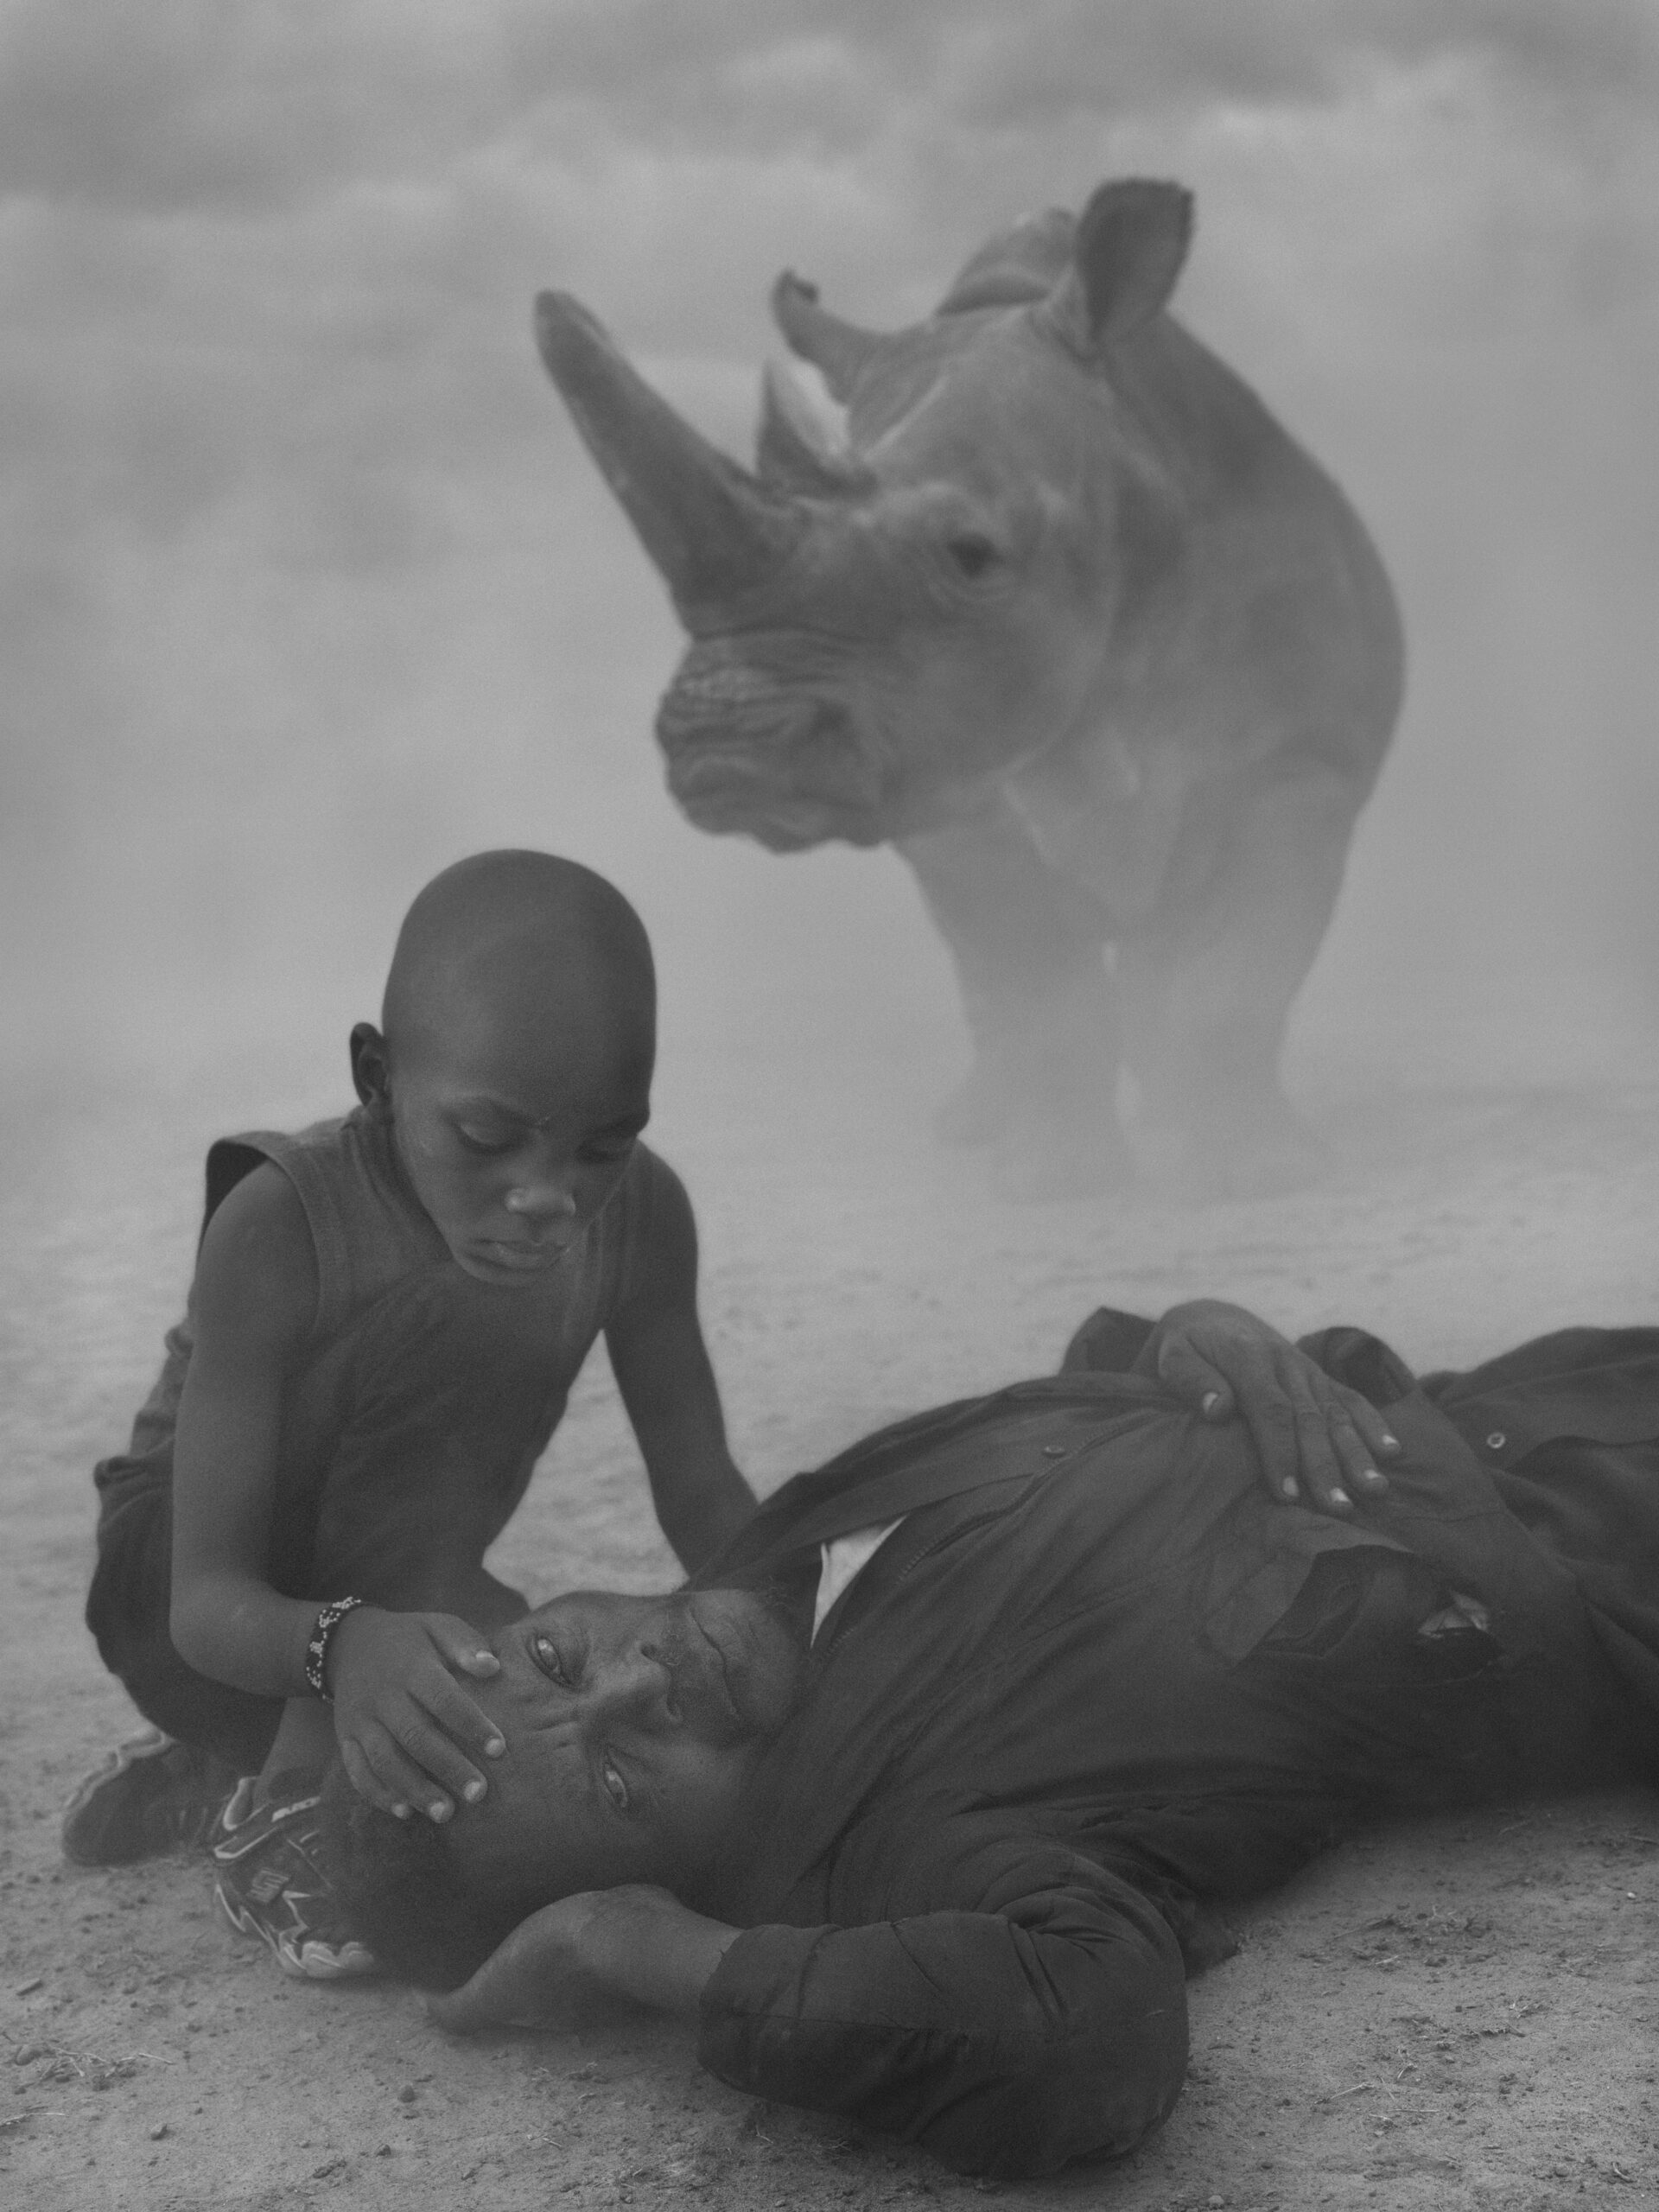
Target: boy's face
{"type": "Point", "coordinates": [512, 1136]}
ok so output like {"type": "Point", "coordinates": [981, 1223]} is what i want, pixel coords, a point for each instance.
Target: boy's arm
{"type": "Point", "coordinates": [661, 1369]}
{"type": "Point", "coordinates": [398, 1703]}
{"type": "Point", "coordinates": [256, 1293]}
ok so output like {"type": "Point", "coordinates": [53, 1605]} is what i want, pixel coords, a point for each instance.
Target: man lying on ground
{"type": "Point", "coordinates": [917, 1798]}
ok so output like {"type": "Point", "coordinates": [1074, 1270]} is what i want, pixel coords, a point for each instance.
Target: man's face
{"type": "Point", "coordinates": [632, 1725]}
{"type": "Point", "coordinates": [512, 1142]}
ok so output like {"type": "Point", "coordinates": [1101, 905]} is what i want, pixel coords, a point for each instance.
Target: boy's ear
{"type": "Point", "coordinates": [370, 1067]}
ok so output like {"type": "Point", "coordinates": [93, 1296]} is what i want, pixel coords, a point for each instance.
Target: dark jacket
{"type": "Point", "coordinates": [1099, 1681]}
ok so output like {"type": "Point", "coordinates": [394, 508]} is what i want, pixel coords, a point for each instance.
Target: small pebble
{"type": "Point", "coordinates": [407, 2094]}
{"type": "Point", "coordinates": [29, 1988]}
{"type": "Point", "coordinates": [158, 2130]}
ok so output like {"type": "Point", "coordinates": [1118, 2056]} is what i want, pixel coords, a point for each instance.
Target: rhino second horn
{"type": "Point", "coordinates": [837, 350]}
{"type": "Point", "coordinates": [801, 446]}
{"type": "Point", "coordinates": [713, 530]}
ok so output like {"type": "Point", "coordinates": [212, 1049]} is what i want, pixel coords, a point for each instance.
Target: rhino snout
{"type": "Point", "coordinates": [707, 701]}
{"type": "Point", "coordinates": [786, 771]}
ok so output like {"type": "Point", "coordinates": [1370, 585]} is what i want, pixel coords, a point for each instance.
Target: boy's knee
{"type": "Point", "coordinates": [487, 1603]}
{"type": "Point", "coordinates": [130, 1593]}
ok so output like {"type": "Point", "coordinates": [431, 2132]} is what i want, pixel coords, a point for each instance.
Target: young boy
{"type": "Point", "coordinates": [387, 1314]}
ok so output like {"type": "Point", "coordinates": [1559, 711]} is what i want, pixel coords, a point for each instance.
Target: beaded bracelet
{"type": "Point", "coordinates": [316, 1651]}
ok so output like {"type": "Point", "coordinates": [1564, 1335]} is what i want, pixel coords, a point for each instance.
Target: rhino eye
{"type": "Point", "coordinates": [974, 555]}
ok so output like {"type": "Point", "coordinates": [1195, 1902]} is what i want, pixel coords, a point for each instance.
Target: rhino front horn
{"type": "Point", "coordinates": [712, 529]}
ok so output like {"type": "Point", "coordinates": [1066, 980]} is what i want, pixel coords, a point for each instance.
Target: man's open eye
{"type": "Point", "coordinates": [546, 1655]}
{"type": "Point", "coordinates": [615, 1788]}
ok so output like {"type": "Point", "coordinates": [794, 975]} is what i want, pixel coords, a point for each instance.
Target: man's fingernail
{"type": "Point", "coordinates": [1289, 1487]}
{"type": "Point", "coordinates": [1369, 1475]}
{"type": "Point", "coordinates": [1340, 1497]}
{"type": "Point", "coordinates": [494, 1748]}
{"type": "Point", "coordinates": [400, 1812]}
{"type": "Point", "coordinates": [1392, 1444]}
{"type": "Point", "coordinates": [1210, 1401]}
{"type": "Point", "coordinates": [439, 1809]}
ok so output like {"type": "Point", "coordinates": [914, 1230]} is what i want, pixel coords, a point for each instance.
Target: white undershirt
{"type": "Point", "coordinates": [844, 1561]}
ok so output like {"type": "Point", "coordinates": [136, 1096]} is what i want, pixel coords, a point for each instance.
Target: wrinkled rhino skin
{"type": "Point", "coordinates": [1060, 612]}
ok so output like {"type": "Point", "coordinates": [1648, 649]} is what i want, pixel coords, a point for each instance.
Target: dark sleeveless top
{"type": "Point", "coordinates": [415, 1374]}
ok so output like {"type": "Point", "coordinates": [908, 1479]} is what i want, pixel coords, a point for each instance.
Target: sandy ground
{"type": "Point", "coordinates": [1459, 2014]}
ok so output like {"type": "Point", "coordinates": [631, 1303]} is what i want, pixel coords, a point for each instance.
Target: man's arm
{"type": "Point", "coordinates": [1044, 2022]}
{"type": "Point", "coordinates": [663, 1372]}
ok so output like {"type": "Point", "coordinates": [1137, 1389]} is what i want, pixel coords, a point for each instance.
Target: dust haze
{"type": "Point", "coordinates": [307, 586]}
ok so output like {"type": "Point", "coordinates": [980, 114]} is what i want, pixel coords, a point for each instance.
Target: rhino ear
{"type": "Point", "coordinates": [1131, 241]}
{"type": "Point", "coordinates": [837, 350]}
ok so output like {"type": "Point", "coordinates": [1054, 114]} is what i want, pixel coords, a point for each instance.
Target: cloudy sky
{"type": "Point", "coordinates": [306, 586]}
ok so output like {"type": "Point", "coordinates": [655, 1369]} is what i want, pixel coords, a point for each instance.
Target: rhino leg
{"type": "Point", "coordinates": [1040, 1006]}
{"type": "Point", "coordinates": [1208, 984]}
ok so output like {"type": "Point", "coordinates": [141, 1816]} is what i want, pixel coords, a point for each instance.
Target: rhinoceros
{"type": "Point", "coordinates": [1042, 595]}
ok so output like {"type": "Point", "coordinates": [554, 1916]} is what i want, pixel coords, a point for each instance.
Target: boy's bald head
{"type": "Point", "coordinates": [515, 1067]}
{"type": "Point", "coordinates": [517, 942]}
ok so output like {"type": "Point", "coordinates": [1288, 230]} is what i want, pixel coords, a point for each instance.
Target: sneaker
{"type": "Point", "coordinates": [151, 1795]}
{"type": "Point", "coordinates": [271, 1884]}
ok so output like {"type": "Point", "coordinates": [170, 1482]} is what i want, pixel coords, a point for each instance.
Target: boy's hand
{"type": "Point", "coordinates": [1319, 1442]}
{"type": "Point", "coordinates": [403, 1721]}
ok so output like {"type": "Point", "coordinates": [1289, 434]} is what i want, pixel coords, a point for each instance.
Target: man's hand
{"type": "Point", "coordinates": [1317, 1442]}
{"type": "Point", "coordinates": [557, 1967]}
{"type": "Point", "coordinates": [403, 1723]}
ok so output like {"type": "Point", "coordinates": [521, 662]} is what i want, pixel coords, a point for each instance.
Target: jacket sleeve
{"type": "Point", "coordinates": [1039, 2016]}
